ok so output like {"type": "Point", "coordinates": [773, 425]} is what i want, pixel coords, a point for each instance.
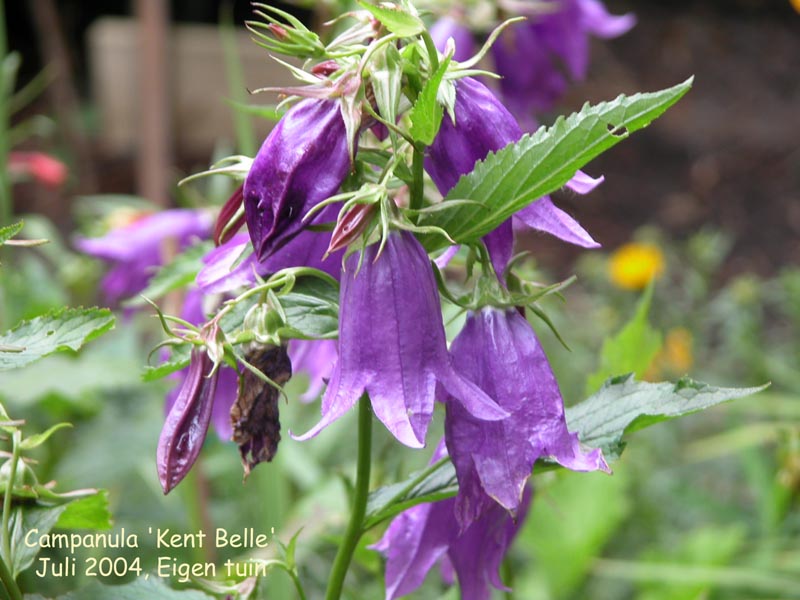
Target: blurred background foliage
{"type": "Point", "coordinates": [704, 203]}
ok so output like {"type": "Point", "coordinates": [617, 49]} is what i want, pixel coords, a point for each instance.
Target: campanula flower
{"type": "Point", "coordinates": [483, 125]}
{"type": "Point", "coordinates": [392, 344]}
{"type": "Point", "coordinates": [427, 534]}
{"type": "Point", "coordinates": [532, 57]}
{"type": "Point", "coordinates": [139, 248]}
{"type": "Point", "coordinates": [316, 358]}
{"type": "Point", "coordinates": [499, 352]}
{"type": "Point", "coordinates": [302, 162]}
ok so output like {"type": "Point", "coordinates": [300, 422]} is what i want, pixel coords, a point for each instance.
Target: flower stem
{"type": "Point", "coordinates": [355, 528]}
{"type": "Point", "coordinates": [5, 573]}
{"type": "Point", "coordinates": [417, 167]}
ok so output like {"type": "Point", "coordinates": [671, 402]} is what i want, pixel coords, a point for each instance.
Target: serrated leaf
{"type": "Point", "coordinates": [395, 19]}
{"type": "Point", "coordinates": [632, 350]}
{"type": "Point", "coordinates": [142, 588]}
{"type": "Point", "coordinates": [90, 512]}
{"type": "Point", "coordinates": [178, 273]}
{"type": "Point", "coordinates": [624, 405]}
{"type": "Point", "coordinates": [63, 329]}
{"type": "Point", "coordinates": [426, 114]}
{"type": "Point", "coordinates": [9, 231]}
{"type": "Point", "coordinates": [538, 164]}
{"type": "Point", "coordinates": [38, 439]}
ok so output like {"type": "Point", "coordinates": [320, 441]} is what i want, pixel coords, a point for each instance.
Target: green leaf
{"type": "Point", "coordinates": [387, 80]}
{"type": "Point", "coordinates": [395, 19]}
{"type": "Point", "coordinates": [426, 114]}
{"type": "Point", "coordinates": [624, 405]}
{"type": "Point", "coordinates": [538, 164]}
{"type": "Point", "coordinates": [178, 273]}
{"type": "Point", "coordinates": [9, 231]}
{"type": "Point", "coordinates": [438, 482]}
{"type": "Point", "coordinates": [23, 519]}
{"type": "Point", "coordinates": [63, 329]}
{"type": "Point", "coordinates": [90, 512]}
{"type": "Point", "coordinates": [312, 309]}
{"type": "Point", "coordinates": [632, 350]}
{"type": "Point", "coordinates": [146, 587]}
{"type": "Point", "coordinates": [38, 439]}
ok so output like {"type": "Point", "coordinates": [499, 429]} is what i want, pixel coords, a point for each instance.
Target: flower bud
{"type": "Point", "coordinates": [187, 422]}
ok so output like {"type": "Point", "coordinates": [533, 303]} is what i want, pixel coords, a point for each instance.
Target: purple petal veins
{"type": "Point", "coordinates": [392, 344]}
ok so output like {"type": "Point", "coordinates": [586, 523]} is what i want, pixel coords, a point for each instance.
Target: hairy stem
{"type": "Point", "coordinates": [356, 526]}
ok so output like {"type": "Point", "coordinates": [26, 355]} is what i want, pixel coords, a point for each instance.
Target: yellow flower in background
{"type": "Point", "coordinates": [675, 357]}
{"type": "Point", "coordinates": [796, 4]}
{"type": "Point", "coordinates": [633, 265]}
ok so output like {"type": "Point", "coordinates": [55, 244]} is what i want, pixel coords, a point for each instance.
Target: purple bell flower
{"type": "Point", "coordinates": [392, 344]}
{"type": "Point", "coordinates": [528, 55]}
{"type": "Point", "coordinates": [425, 534]}
{"type": "Point", "coordinates": [484, 125]}
{"type": "Point", "coordinates": [138, 249]}
{"type": "Point", "coordinates": [499, 352]}
{"type": "Point", "coordinates": [302, 162]}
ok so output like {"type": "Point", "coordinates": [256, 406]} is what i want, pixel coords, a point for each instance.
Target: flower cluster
{"type": "Point", "coordinates": [329, 196]}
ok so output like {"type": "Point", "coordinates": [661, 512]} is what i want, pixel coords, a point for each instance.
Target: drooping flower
{"type": "Point", "coordinates": [392, 344]}
{"type": "Point", "coordinates": [427, 534]}
{"type": "Point", "coordinates": [187, 422]}
{"type": "Point", "coordinates": [139, 248]}
{"type": "Point", "coordinates": [530, 55]}
{"type": "Point", "coordinates": [499, 352]}
{"type": "Point", "coordinates": [483, 125]}
{"type": "Point", "coordinates": [302, 162]}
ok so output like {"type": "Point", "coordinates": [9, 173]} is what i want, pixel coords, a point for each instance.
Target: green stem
{"type": "Point", "coordinates": [417, 168]}
{"type": "Point", "coordinates": [356, 526]}
{"type": "Point", "coordinates": [11, 587]}
{"type": "Point", "coordinates": [297, 585]}
{"type": "Point", "coordinates": [5, 574]}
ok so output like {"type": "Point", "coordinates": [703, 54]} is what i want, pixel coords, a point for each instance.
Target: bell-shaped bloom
{"type": "Point", "coordinates": [427, 534]}
{"type": "Point", "coordinates": [446, 28]}
{"type": "Point", "coordinates": [187, 422]}
{"type": "Point", "coordinates": [499, 352]}
{"type": "Point", "coordinates": [483, 125]}
{"type": "Point", "coordinates": [532, 57]}
{"type": "Point", "coordinates": [302, 162]}
{"type": "Point", "coordinates": [139, 248]}
{"type": "Point", "coordinates": [392, 344]}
